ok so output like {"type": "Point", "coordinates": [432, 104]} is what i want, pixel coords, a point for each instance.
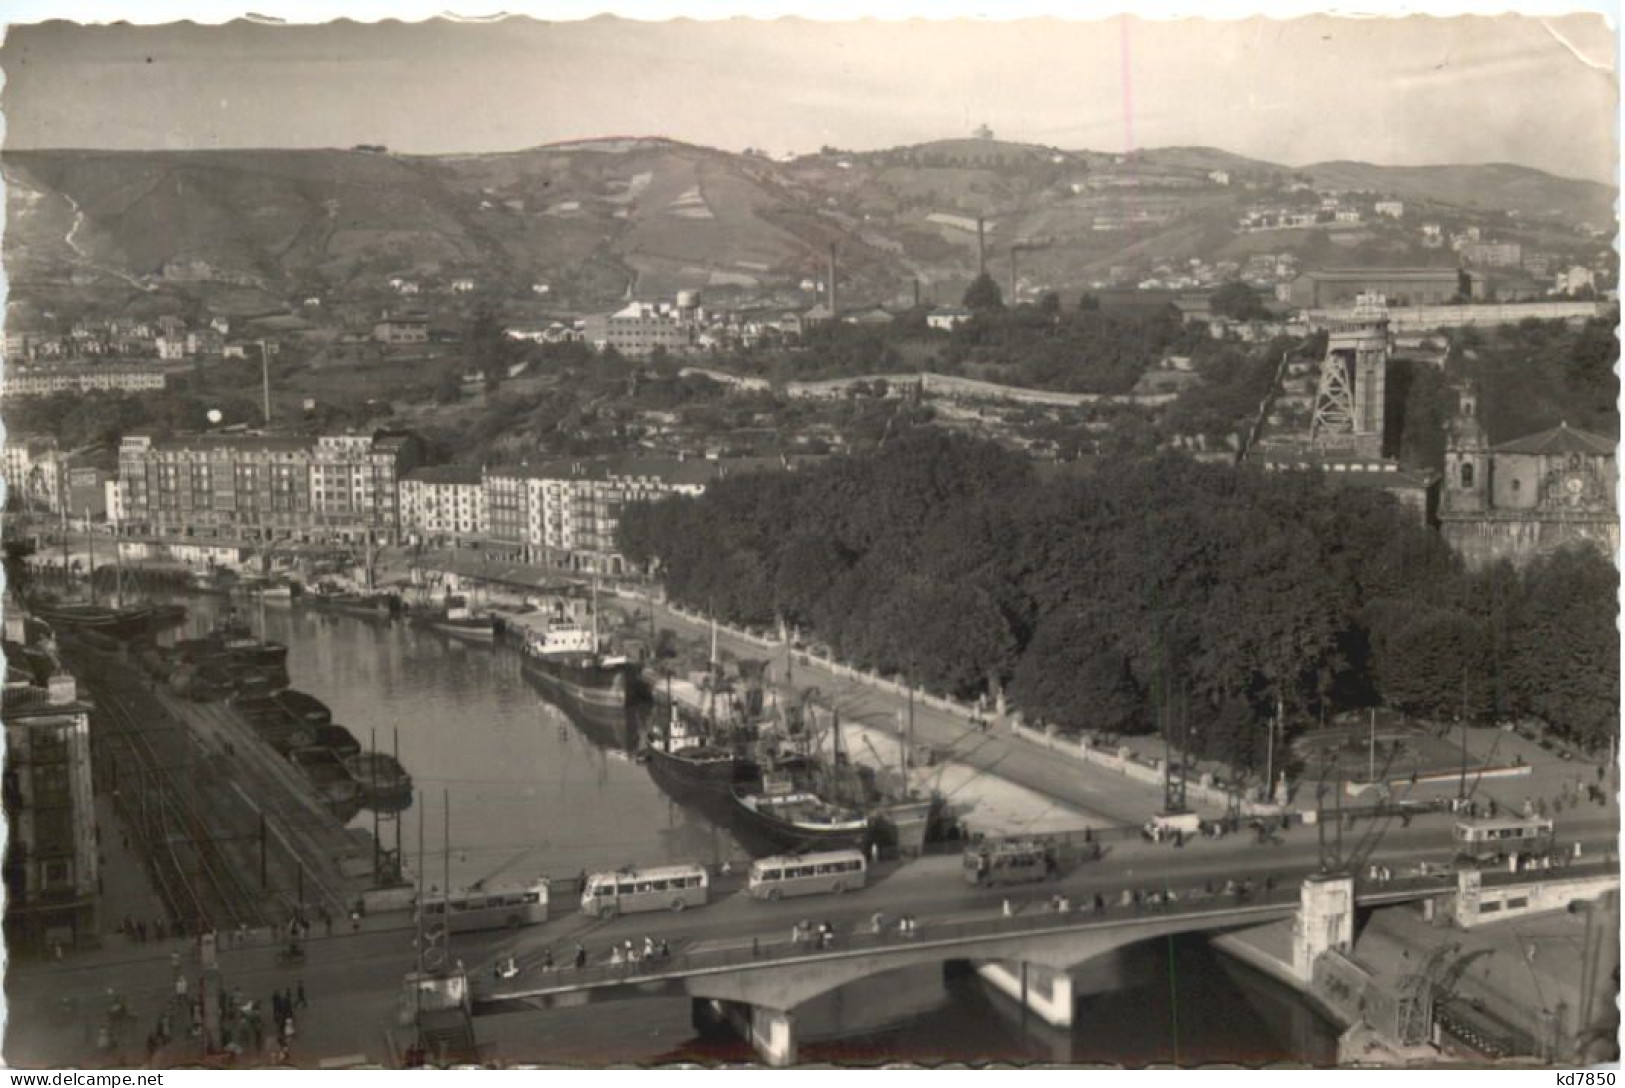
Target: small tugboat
{"type": "Point", "coordinates": [684, 758]}
{"type": "Point", "coordinates": [567, 658]}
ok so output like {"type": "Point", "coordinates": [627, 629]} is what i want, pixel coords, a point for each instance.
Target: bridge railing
{"type": "Point", "coordinates": [1030, 915]}
{"type": "Point", "coordinates": [1035, 915]}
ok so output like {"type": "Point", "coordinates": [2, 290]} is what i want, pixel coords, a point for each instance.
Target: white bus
{"type": "Point", "coordinates": [833, 872]}
{"type": "Point", "coordinates": [672, 887]}
{"type": "Point", "coordinates": [494, 907]}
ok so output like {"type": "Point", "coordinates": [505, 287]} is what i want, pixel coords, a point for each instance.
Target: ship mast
{"type": "Point", "coordinates": [90, 537]}
{"type": "Point", "coordinates": [67, 561]}
{"type": "Point", "coordinates": [595, 613]}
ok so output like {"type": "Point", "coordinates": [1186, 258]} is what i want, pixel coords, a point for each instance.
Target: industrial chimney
{"type": "Point", "coordinates": [834, 314]}
{"type": "Point", "coordinates": [981, 247]}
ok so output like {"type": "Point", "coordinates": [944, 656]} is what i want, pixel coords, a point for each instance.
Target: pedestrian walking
{"type": "Point", "coordinates": [665, 949]}
{"type": "Point", "coordinates": [1007, 911]}
{"type": "Point", "coordinates": [874, 853]}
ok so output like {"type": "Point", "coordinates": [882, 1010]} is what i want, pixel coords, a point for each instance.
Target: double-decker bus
{"type": "Point", "coordinates": [495, 907]}
{"type": "Point", "coordinates": [830, 872]}
{"type": "Point", "coordinates": [1487, 840]}
{"type": "Point", "coordinates": [671, 887]}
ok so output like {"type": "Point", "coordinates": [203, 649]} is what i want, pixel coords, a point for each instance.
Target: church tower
{"type": "Point", "coordinates": [1467, 458]}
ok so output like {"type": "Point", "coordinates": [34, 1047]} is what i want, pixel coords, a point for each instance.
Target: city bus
{"type": "Point", "coordinates": [672, 887]}
{"type": "Point", "coordinates": [1486, 840]}
{"type": "Point", "coordinates": [1011, 861]}
{"type": "Point", "coordinates": [495, 907]}
{"type": "Point", "coordinates": [832, 872]}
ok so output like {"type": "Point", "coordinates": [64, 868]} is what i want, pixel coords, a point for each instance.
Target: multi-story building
{"type": "Point", "coordinates": [1400, 286]}
{"type": "Point", "coordinates": [335, 488]}
{"type": "Point", "coordinates": [446, 504]}
{"type": "Point", "coordinates": [1492, 254]}
{"type": "Point", "coordinates": [34, 474]}
{"type": "Point", "coordinates": [573, 508]}
{"type": "Point", "coordinates": [640, 329]}
{"type": "Point", "coordinates": [42, 381]}
{"type": "Point", "coordinates": [402, 329]}
{"type": "Point", "coordinates": [51, 865]}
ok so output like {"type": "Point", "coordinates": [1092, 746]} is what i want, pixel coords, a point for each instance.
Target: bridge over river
{"type": "Point", "coordinates": [743, 978]}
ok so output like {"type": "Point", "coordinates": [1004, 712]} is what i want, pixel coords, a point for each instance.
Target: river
{"type": "Point", "coordinates": [532, 791]}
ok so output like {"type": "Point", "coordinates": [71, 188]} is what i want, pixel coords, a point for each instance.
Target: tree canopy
{"type": "Point", "coordinates": [950, 561]}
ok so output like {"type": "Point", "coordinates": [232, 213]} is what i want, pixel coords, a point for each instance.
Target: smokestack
{"type": "Point", "coordinates": [916, 292]}
{"type": "Point", "coordinates": [981, 247]}
{"type": "Point", "coordinates": [833, 312]}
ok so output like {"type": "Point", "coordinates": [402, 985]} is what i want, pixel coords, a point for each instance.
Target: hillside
{"type": "Point", "coordinates": [602, 220]}
{"type": "Point", "coordinates": [1489, 186]}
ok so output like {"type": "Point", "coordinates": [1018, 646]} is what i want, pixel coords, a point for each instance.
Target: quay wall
{"type": "Point", "coordinates": [1122, 761]}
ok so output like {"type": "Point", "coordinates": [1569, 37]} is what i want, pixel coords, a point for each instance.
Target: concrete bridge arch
{"type": "Point", "coordinates": [760, 1003]}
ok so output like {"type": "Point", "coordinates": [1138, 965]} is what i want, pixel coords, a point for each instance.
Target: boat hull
{"type": "Point", "coordinates": [794, 834]}
{"type": "Point", "coordinates": [468, 631]}
{"type": "Point", "coordinates": [588, 685]}
{"type": "Point", "coordinates": [119, 623]}
{"type": "Point", "coordinates": [685, 775]}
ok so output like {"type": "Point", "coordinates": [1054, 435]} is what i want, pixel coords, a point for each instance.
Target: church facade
{"type": "Point", "coordinates": [1527, 497]}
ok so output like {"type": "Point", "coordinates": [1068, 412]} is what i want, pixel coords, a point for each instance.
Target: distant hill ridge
{"type": "Point", "coordinates": [606, 218]}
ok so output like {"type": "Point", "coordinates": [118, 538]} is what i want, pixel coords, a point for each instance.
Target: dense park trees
{"type": "Point", "coordinates": [952, 562]}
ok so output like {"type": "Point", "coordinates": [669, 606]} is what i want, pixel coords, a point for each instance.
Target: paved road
{"type": "Point", "coordinates": [354, 981]}
{"type": "Point", "coordinates": [933, 889]}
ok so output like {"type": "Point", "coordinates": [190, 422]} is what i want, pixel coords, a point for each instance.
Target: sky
{"type": "Point", "coordinates": [1535, 91]}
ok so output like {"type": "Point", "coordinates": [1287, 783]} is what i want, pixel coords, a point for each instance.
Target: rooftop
{"type": "Point", "coordinates": [1561, 439]}
{"type": "Point", "coordinates": [695, 470]}
{"type": "Point", "coordinates": [446, 474]}
{"type": "Point", "coordinates": [1383, 273]}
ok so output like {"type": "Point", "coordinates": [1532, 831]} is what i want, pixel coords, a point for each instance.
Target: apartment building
{"type": "Point", "coordinates": [42, 381]}
{"type": "Point", "coordinates": [51, 866]}
{"type": "Point", "coordinates": [331, 488]}
{"type": "Point", "coordinates": [443, 505]}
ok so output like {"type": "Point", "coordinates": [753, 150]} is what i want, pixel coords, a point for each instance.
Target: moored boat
{"type": "Point", "coordinates": [119, 623]}
{"type": "Point", "coordinates": [685, 759]}
{"type": "Point", "coordinates": [379, 776]}
{"type": "Point", "coordinates": [565, 656]}
{"type": "Point", "coordinates": [327, 773]}
{"type": "Point", "coordinates": [796, 817]}
{"type": "Point", "coordinates": [460, 621]}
